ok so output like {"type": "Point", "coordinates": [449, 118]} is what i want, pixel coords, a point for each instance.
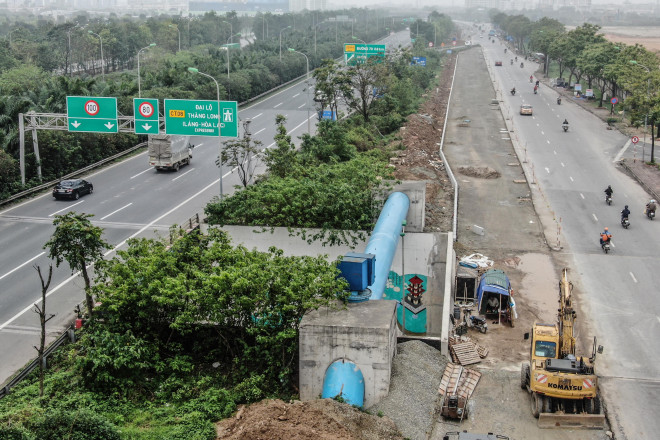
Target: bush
{"type": "Point", "coordinates": [74, 425]}
{"type": "Point", "coordinates": [14, 433]}
{"type": "Point", "coordinates": [194, 426]}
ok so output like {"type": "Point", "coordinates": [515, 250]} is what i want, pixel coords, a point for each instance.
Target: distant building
{"type": "Point", "coordinates": [310, 5]}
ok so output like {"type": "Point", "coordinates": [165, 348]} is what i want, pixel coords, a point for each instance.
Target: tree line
{"type": "Point", "coordinates": [630, 72]}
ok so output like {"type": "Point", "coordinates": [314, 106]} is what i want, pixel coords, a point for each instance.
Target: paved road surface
{"type": "Point", "coordinates": [572, 170]}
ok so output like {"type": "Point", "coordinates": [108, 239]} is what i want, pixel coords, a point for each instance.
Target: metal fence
{"type": "Point", "coordinates": [69, 335]}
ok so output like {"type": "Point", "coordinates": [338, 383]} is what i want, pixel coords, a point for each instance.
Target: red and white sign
{"type": "Point", "coordinates": [634, 139]}
{"type": "Point", "coordinates": [453, 43]}
{"type": "Point", "coordinates": [92, 107]}
{"type": "Point", "coordinates": [146, 109]}
{"type": "Point", "coordinates": [430, 43]}
{"type": "Point", "coordinates": [587, 383]}
{"type": "Point", "coordinates": [541, 378]}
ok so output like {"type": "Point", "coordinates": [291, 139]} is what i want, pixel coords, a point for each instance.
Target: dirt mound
{"type": "Point", "coordinates": [324, 419]}
{"type": "Point", "coordinates": [480, 172]}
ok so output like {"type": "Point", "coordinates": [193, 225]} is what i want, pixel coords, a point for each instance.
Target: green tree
{"type": "Point", "coordinates": [328, 146]}
{"type": "Point", "coordinates": [281, 160]}
{"type": "Point", "coordinates": [80, 243]}
{"type": "Point", "coordinates": [363, 80]}
{"type": "Point", "coordinates": [242, 154]}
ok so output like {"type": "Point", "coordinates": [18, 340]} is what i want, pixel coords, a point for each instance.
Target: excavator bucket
{"type": "Point", "coordinates": [560, 420]}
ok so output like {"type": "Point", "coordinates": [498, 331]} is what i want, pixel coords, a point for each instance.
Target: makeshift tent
{"type": "Point", "coordinates": [494, 282]}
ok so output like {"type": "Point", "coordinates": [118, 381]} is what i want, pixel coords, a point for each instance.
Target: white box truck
{"type": "Point", "coordinates": [168, 152]}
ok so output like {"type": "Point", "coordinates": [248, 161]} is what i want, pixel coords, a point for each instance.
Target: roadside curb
{"type": "Point", "coordinates": [639, 180]}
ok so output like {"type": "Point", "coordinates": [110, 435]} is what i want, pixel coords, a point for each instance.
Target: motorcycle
{"type": "Point", "coordinates": [536, 90]}
{"type": "Point", "coordinates": [625, 222]}
{"type": "Point", "coordinates": [504, 50]}
{"type": "Point", "coordinates": [522, 65]}
{"type": "Point", "coordinates": [650, 214]}
{"type": "Point", "coordinates": [531, 78]}
{"type": "Point", "coordinates": [475, 321]}
{"type": "Point", "coordinates": [558, 101]}
{"type": "Point", "coordinates": [565, 127]}
{"type": "Point", "coordinates": [605, 246]}
{"type": "Point", "coordinates": [608, 199]}
{"type": "Point", "coordinates": [513, 92]}
{"type": "Point", "coordinates": [512, 62]}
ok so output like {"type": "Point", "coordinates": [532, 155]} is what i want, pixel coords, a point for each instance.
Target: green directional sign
{"type": "Point", "coordinates": [232, 45]}
{"type": "Point", "coordinates": [145, 113]}
{"type": "Point", "coordinates": [359, 53]}
{"type": "Point", "coordinates": [92, 114]}
{"type": "Point", "coordinates": [200, 118]}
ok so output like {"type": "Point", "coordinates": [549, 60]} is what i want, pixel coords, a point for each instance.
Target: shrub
{"type": "Point", "coordinates": [74, 425]}
{"type": "Point", "coordinates": [14, 433]}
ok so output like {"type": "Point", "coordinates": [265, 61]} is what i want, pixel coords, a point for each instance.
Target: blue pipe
{"type": "Point", "coordinates": [344, 378]}
{"type": "Point", "coordinates": [384, 239]}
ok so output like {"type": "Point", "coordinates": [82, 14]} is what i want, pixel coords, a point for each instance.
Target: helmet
{"type": "Point", "coordinates": [652, 200]}
{"type": "Point", "coordinates": [626, 207]}
{"type": "Point", "coordinates": [606, 229]}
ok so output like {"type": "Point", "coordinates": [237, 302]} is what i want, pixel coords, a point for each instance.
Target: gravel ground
{"type": "Point", "coordinates": [416, 373]}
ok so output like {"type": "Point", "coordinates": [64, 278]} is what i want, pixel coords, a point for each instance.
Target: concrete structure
{"type": "Point", "coordinates": [363, 333]}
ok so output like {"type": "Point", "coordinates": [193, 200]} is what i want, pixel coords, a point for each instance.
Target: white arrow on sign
{"type": "Point", "coordinates": [147, 127]}
{"type": "Point", "coordinates": [109, 125]}
{"type": "Point", "coordinates": [75, 124]}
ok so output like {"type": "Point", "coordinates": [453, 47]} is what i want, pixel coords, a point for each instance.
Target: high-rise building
{"type": "Point", "coordinates": [310, 5]}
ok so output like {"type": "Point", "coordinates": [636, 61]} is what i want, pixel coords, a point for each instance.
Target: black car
{"type": "Point", "coordinates": [72, 189]}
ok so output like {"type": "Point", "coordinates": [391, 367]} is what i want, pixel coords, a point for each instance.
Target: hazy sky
{"type": "Point", "coordinates": [420, 3]}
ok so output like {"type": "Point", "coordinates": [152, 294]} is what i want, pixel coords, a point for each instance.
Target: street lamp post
{"type": "Point", "coordinates": [217, 87]}
{"type": "Point", "coordinates": [231, 29]}
{"type": "Point", "coordinates": [138, 57]}
{"type": "Point", "coordinates": [308, 85]}
{"type": "Point", "coordinates": [282, 30]}
{"type": "Point", "coordinates": [178, 32]}
{"type": "Point", "coordinates": [68, 53]}
{"type": "Point", "coordinates": [646, 113]}
{"type": "Point", "coordinates": [102, 63]}
{"type": "Point", "coordinates": [356, 38]}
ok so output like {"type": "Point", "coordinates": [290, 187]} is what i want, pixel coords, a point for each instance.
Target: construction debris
{"type": "Point", "coordinates": [456, 388]}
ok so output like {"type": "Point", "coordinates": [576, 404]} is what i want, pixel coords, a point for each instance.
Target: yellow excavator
{"type": "Point", "coordinates": [564, 387]}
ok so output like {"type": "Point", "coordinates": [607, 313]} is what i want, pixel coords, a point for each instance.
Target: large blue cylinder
{"type": "Point", "coordinates": [384, 239]}
{"type": "Point", "coordinates": [344, 378]}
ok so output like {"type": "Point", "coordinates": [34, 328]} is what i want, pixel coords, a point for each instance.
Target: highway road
{"type": "Point", "coordinates": [618, 290]}
{"type": "Point", "coordinates": [130, 199]}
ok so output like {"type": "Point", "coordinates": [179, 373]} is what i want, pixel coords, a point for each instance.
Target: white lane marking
{"type": "Point", "coordinates": [277, 105]}
{"type": "Point", "coordinates": [301, 105]}
{"type": "Point", "coordinates": [18, 267]}
{"type": "Point", "coordinates": [201, 144]}
{"type": "Point", "coordinates": [258, 132]}
{"type": "Point", "coordinates": [537, 125]}
{"type": "Point", "coordinates": [621, 151]}
{"type": "Point", "coordinates": [547, 170]}
{"type": "Point", "coordinates": [68, 207]}
{"type": "Point", "coordinates": [555, 152]}
{"type": "Point", "coordinates": [542, 132]}
{"type": "Point", "coordinates": [299, 125]}
{"type": "Point", "coordinates": [582, 195]}
{"type": "Point", "coordinates": [633, 276]}
{"type": "Point", "coordinates": [142, 172]}
{"type": "Point", "coordinates": [255, 117]}
{"type": "Point", "coordinates": [190, 170]}
{"type": "Point", "coordinates": [573, 181]}
{"type": "Point", "coordinates": [548, 142]}
{"type": "Point", "coordinates": [116, 211]}
{"type": "Point", "coordinates": [612, 243]}
{"type": "Point", "coordinates": [562, 164]}
{"type": "Point", "coordinates": [594, 216]}
{"type": "Point", "coordinates": [295, 95]}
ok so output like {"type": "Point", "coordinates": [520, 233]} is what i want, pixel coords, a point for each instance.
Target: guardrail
{"type": "Point", "coordinates": [75, 173]}
{"type": "Point", "coordinates": [68, 334]}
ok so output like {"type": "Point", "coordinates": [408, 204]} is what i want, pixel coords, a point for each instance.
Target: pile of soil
{"type": "Point", "coordinates": [323, 419]}
{"type": "Point", "coordinates": [479, 172]}
{"type": "Point", "coordinates": [421, 160]}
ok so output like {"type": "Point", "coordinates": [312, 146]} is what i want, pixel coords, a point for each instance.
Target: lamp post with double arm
{"type": "Point", "coordinates": [102, 63]}
{"type": "Point", "coordinates": [308, 84]}
{"type": "Point", "coordinates": [138, 57]}
{"type": "Point", "coordinates": [282, 30]}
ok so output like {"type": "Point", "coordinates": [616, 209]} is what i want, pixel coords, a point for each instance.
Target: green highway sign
{"type": "Point", "coordinates": [359, 53]}
{"type": "Point", "coordinates": [232, 45]}
{"type": "Point", "coordinates": [200, 118]}
{"type": "Point", "coordinates": [146, 117]}
{"type": "Point", "coordinates": [92, 114]}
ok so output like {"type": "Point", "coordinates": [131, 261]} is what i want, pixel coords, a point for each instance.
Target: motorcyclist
{"type": "Point", "coordinates": [536, 88]}
{"type": "Point", "coordinates": [625, 213]}
{"type": "Point", "coordinates": [512, 62]}
{"type": "Point", "coordinates": [513, 91]}
{"type": "Point", "coordinates": [537, 82]}
{"type": "Point", "coordinates": [605, 237]}
{"type": "Point", "coordinates": [516, 59]}
{"type": "Point", "coordinates": [505, 50]}
{"type": "Point", "coordinates": [609, 191]}
{"type": "Point", "coordinates": [531, 78]}
{"type": "Point", "coordinates": [565, 124]}
{"type": "Point", "coordinates": [650, 206]}
{"type": "Point", "coordinates": [558, 100]}
{"type": "Point", "coordinates": [522, 65]}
